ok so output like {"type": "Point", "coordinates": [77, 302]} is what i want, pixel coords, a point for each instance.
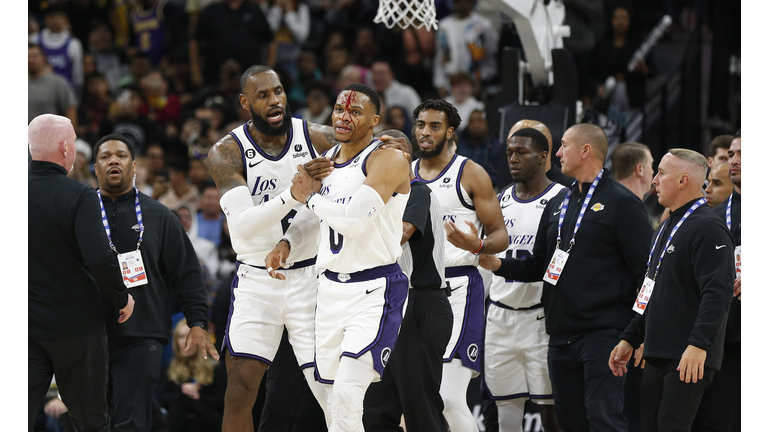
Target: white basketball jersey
{"type": "Point", "coordinates": [456, 205]}
{"type": "Point", "coordinates": [380, 244]}
{"type": "Point", "coordinates": [522, 221]}
{"type": "Point", "coordinates": [267, 177]}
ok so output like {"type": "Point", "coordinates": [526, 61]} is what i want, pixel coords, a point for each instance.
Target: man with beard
{"type": "Point", "coordinates": [253, 166]}
{"type": "Point", "coordinates": [515, 338]}
{"type": "Point", "coordinates": [149, 239]}
{"type": "Point", "coordinates": [469, 205]}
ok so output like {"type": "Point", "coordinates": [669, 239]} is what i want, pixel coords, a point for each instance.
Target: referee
{"type": "Point", "coordinates": [69, 261]}
{"type": "Point", "coordinates": [410, 384]}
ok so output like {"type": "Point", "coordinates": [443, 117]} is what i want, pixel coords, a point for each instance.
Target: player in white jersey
{"type": "Point", "coordinates": [362, 289]}
{"type": "Point", "coordinates": [253, 167]}
{"type": "Point", "coordinates": [516, 341]}
{"type": "Point", "coordinates": [469, 204]}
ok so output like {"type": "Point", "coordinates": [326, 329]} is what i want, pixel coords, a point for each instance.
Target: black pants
{"type": "Point", "coordinates": [720, 407]}
{"type": "Point", "coordinates": [410, 384]}
{"type": "Point", "coordinates": [290, 404]}
{"type": "Point", "coordinates": [668, 404]}
{"type": "Point", "coordinates": [80, 365]}
{"type": "Point", "coordinates": [587, 395]}
{"type": "Point", "coordinates": [190, 415]}
{"type": "Point", "coordinates": [134, 370]}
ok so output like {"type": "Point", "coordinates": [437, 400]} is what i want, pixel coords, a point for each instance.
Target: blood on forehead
{"type": "Point", "coordinates": [351, 98]}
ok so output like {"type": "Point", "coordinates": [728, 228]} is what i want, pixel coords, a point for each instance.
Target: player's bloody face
{"type": "Point", "coordinates": [353, 116]}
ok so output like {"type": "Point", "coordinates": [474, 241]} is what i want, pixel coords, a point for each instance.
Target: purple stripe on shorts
{"type": "Point", "coordinates": [226, 342]}
{"type": "Point", "coordinates": [469, 344]}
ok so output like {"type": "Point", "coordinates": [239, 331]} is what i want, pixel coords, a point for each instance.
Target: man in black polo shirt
{"type": "Point", "coordinates": [591, 249]}
{"type": "Point", "coordinates": [69, 263]}
{"type": "Point", "coordinates": [683, 304]}
{"type": "Point", "coordinates": [161, 260]}
{"type": "Point", "coordinates": [410, 384]}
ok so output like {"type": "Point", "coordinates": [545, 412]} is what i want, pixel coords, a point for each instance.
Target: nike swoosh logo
{"type": "Point", "coordinates": [719, 247]}
{"type": "Point", "coordinates": [503, 207]}
{"type": "Point", "coordinates": [539, 319]}
{"type": "Point", "coordinates": [250, 165]}
{"type": "Point", "coordinates": [556, 213]}
{"type": "Point", "coordinates": [370, 291]}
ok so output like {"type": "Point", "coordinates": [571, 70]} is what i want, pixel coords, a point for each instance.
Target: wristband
{"type": "Point", "coordinates": [308, 198]}
{"type": "Point", "coordinates": [201, 324]}
{"type": "Point", "coordinates": [480, 249]}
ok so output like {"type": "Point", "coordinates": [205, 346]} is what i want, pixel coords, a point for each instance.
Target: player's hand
{"type": "Point", "coordinates": [619, 358]}
{"type": "Point", "coordinates": [470, 241]}
{"type": "Point", "coordinates": [303, 185]}
{"type": "Point", "coordinates": [398, 143]}
{"type": "Point", "coordinates": [691, 365]}
{"type": "Point", "coordinates": [490, 262]}
{"type": "Point", "coordinates": [201, 337]}
{"type": "Point", "coordinates": [127, 310]}
{"type": "Point", "coordinates": [639, 360]}
{"type": "Point", "coordinates": [319, 168]}
{"type": "Point", "coordinates": [55, 408]}
{"type": "Point", "coordinates": [737, 287]}
{"type": "Point", "coordinates": [276, 259]}
{"type": "Point", "coordinates": [191, 390]}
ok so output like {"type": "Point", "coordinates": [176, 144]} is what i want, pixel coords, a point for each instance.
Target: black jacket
{"type": "Point", "coordinates": [169, 261]}
{"type": "Point", "coordinates": [694, 287]}
{"type": "Point", "coordinates": [605, 268]}
{"type": "Point", "coordinates": [733, 329]}
{"type": "Point", "coordinates": [69, 257]}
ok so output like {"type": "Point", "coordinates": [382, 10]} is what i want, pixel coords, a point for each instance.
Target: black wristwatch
{"type": "Point", "coordinates": [201, 324]}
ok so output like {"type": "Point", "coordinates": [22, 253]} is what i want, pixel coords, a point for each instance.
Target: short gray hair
{"type": "Point", "coordinates": [694, 157]}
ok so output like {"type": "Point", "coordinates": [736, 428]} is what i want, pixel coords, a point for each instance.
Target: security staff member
{"type": "Point", "coordinates": [683, 304]}
{"type": "Point", "coordinates": [720, 408]}
{"type": "Point", "coordinates": [410, 385]}
{"type": "Point", "coordinates": [161, 260]}
{"type": "Point", "coordinates": [69, 263]}
{"type": "Point", "coordinates": [592, 243]}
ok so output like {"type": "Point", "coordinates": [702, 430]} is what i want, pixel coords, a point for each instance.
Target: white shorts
{"type": "Point", "coordinates": [359, 315]}
{"type": "Point", "coordinates": [261, 306]}
{"type": "Point", "coordinates": [516, 344]}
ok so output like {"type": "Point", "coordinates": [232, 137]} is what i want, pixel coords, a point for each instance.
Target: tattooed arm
{"type": "Point", "coordinates": [225, 164]}
{"type": "Point", "coordinates": [322, 137]}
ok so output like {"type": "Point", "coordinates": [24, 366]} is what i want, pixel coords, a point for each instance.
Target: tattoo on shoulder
{"type": "Point", "coordinates": [225, 164]}
{"type": "Point", "coordinates": [322, 137]}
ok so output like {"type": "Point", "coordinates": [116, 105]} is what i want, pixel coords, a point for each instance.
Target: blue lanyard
{"type": "Point", "coordinates": [564, 207]}
{"type": "Point", "coordinates": [728, 212]}
{"type": "Point", "coordinates": [693, 208]}
{"type": "Point", "coordinates": [106, 223]}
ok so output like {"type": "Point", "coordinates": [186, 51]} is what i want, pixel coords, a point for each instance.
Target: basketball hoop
{"type": "Point", "coordinates": [407, 13]}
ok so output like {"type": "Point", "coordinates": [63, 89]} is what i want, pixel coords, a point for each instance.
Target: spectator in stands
{"type": "Point", "coordinates": [306, 72]}
{"type": "Point", "coordinates": [353, 74]}
{"type": "Point", "coordinates": [289, 21]}
{"type": "Point", "coordinates": [718, 150]}
{"type": "Point", "coordinates": [204, 248]}
{"type": "Point", "coordinates": [318, 108]}
{"type": "Point", "coordinates": [89, 67]}
{"type": "Point", "coordinates": [367, 49]}
{"type": "Point", "coordinates": [192, 388]}
{"type": "Point", "coordinates": [94, 109]}
{"type": "Point", "coordinates": [398, 118]}
{"type": "Point", "coordinates": [462, 97]}
{"type": "Point", "coordinates": [477, 144]}
{"type": "Point", "coordinates": [140, 66]}
{"type": "Point", "coordinates": [719, 187]}
{"type": "Point", "coordinates": [210, 219]}
{"type": "Point", "coordinates": [227, 87]}
{"type": "Point", "coordinates": [80, 171]}
{"type": "Point", "coordinates": [155, 160]}
{"type": "Point", "coordinates": [198, 173]}
{"type": "Point", "coordinates": [633, 167]}
{"type": "Point", "coordinates": [394, 92]}
{"type": "Point", "coordinates": [466, 42]}
{"type": "Point", "coordinates": [336, 59]}
{"type": "Point", "coordinates": [126, 119]}
{"type": "Point", "coordinates": [159, 106]}
{"type": "Point", "coordinates": [142, 174]}
{"type": "Point", "coordinates": [47, 93]}
{"type": "Point", "coordinates": [180, 190]}
{"type": "Point", "coordinates": [223, 29]}
{"type": "Point", "coordinates": [419, 53]}
{"type": "Point", "coordinates": [202, 131]}
{"type": "Point", "coordinates": [179, 81]}
{"type": "Point", "coordinates": [108, 58]}
{"type": "Point", "coordinates": [63, 51]}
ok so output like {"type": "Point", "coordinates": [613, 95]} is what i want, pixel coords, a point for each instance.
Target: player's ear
{"type": "Point", "coordinates": [244, 102]}
{"type": "Point", "coordinates": [449, 133]}
{"type": "Point", "coordinates": [543, 157]}
{"type": "Point", "coordinates": [376, 120]}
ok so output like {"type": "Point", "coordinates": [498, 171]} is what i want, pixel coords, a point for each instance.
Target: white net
{"type": "Point", "coordinates": [407, 13]}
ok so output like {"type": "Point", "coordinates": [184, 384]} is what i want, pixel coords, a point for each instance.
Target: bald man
{"type": "Point", "coordinates": [592, 265]}
{"type": "Point", "coordinates": [683, 304]}
{"type": "Point", "coordinates": [70, 262]}
{"type": "Point", "coordinates": [553, 171]}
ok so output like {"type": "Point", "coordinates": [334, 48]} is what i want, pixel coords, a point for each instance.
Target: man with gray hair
{"type": "Point", "coordinates": [683, 303]}
{"type": "Point", "coordinates": [70, 262]}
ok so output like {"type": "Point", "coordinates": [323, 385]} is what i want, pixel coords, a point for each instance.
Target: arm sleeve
{"type": "Point", "coordinates": [304, 226]}
{"type": "Point", "coordinates": [94, 245]}
{"type": "Point", "coordinates": [532, 267]}
{"type": "Point", "coordinates": [634, 233]}
{"type": "Point", "coordinates": [182, 271]}
{"type": "Point", "coordinates": [715, 273]}
{"type": "Point", "coordinates": [417, 210]}
{"type": "Point", "coordinates": [349, 220]}
{"type": "Point", "coordinates": [248, 220]}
